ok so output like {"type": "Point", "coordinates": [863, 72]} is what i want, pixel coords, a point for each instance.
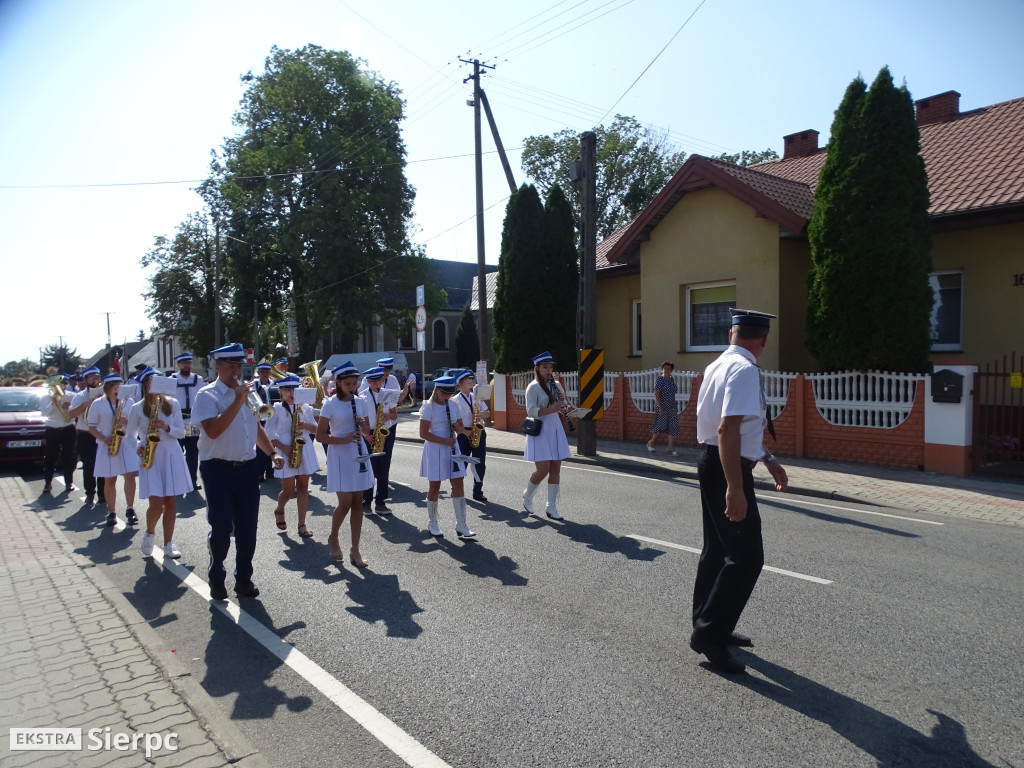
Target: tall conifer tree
{"type": "Point", "coordinates": [869, 299]}
{"type": "Point", "coordinates": [561, 280]}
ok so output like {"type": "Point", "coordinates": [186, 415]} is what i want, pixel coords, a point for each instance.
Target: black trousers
{"type": "Point", "coordinates": [232, 508]}
{"type": "Point", "coordinates": [732, 557]}
{"type": "Point", "coordinates": [87, 453]}
{"type": "Point", "coordinates": [382, 470]}
{"type": "Point", "coordinates": [60, 442]}
{"type": "Point", "coordinates": [190, 445]}
{"type": "Point", "coordinates": [480, 452]}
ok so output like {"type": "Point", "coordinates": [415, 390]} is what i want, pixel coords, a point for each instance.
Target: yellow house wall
{"type": "Point", "coordinates": [993, 306]}
{"type": "Point", "coordinates": [614, 305]}
{"type": "Point", "coordinates": [708, 237]}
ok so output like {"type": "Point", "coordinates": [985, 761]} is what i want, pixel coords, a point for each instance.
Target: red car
{"type": "Point", "coordinates": [22, 430]}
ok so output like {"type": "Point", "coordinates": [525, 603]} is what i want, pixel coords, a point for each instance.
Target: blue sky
{"type": "Point", "coordinates": [111, 108]}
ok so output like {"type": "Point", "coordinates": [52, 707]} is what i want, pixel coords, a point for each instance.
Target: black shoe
{"type": "Point", "coordinates": [739, 640]}
{"type": "Point", "coordinates": [47, 488]}
{"type": "Point", "coordinates": [479, 496]}
{"type": "Point", "coordinates": [112, 518]}
{"type": "Point", "coordinates": [131, 517]}
{"type": "Point", "coordinates": [245, 588]}
{"type": "Point", "coordinates": [367, 507]}
{"type": "Point", "coordinates": [196, 487]}
{"type": "Point", "coordinates": [218, 591]}
{"type": "Point", "coordinates": [90, 498]}
{"type": "Point", "coordinates": [70, 487]}
{"type": "Point", "coordinates": [381, 509]}
{"type": "Point", "coordinates": [719, 656]}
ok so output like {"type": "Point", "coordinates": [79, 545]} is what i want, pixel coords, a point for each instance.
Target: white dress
{"type": "Point", "coordinates": [551, 444]}
{"type": "Point", "coordinates": [343, 473]}
{"type": "Point", "coordinates": [169, 474]}
{"type": "Point", "coordinates": [279, 427]}
{"type": "Point", "coordinates": [436, 462]}
{"type": "Point", "coordinates": [101, 416]}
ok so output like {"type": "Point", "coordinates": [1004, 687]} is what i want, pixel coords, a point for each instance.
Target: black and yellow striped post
{"type": "Point", "coordinates": [591, 391]}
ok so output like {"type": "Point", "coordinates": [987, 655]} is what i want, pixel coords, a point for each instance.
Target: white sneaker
{"type": "Point", "coordinates": [147, 544]}
{"type": "Point", "coordinates": [171, 551]}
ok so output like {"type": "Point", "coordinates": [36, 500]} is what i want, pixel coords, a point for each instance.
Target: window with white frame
{"type": "Point", "coordinates": [708, 316]}
{"type": "Point", "coordinates": [947, 318]}
{"type": "Point", "coordinates": [638, 345]}
{"type": "Point", "coordinates": [440, 334]}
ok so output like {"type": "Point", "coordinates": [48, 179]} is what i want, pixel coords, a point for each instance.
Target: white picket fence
{"type": "Point", "coordinates": [872, 399]}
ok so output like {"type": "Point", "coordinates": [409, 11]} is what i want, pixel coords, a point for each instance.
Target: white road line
{"type": "Point", "coordinates": [384, 730]}
{"type": "Point", "coordinates": [784, 572]}
{"type": "Point", "coordinates": [847, 509]}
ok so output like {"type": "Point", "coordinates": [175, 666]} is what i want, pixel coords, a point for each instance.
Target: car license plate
{"type": "Point", "coordinates": [24, 443]}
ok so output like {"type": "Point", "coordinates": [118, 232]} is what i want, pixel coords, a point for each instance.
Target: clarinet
{"type": "Point", "coordinates": [558, 396]}
{"type": "Point", "coordinates": [451, 433]}
{"type": "Point", "coordinates": [359, 438]}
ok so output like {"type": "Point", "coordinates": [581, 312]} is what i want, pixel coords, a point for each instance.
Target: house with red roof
{"type": "Point", "coordinates": [720, 236]}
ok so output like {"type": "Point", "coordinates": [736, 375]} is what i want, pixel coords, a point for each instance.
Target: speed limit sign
{"type": "Point", "coordinates": [421, 318]}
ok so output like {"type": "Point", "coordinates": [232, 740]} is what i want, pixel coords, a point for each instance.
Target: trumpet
{"type": "Point", "coordinates": [312, 370]}
{"type": "Point", "coordinates": [261, 410]}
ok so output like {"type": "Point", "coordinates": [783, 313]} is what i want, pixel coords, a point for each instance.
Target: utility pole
{"type": "Point", "coordinates": [586, 437]}
{"type": "Point", "coordinates": [108, 314]}
{"type": "Point", "coordinates": [216, 283]}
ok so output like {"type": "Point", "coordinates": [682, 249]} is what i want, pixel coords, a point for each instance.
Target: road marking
{"type": "Point", "coordinates": [695, 551]}
{"type": "Point", "coordinates": [384, 730]}
{"type": "Point", "coordinates": [849, 509]}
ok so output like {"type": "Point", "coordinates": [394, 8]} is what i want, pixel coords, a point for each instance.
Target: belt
{"type": "Point", "coordinates": [228, 463]}
{"type": "Point", "coordinates": [712, 450]}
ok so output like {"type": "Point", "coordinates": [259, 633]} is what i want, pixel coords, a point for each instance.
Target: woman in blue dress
{"type": "Point", "coordinates": [666, 417]}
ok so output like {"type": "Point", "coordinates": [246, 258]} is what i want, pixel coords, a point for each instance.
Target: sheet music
{"type": "Point", "coordinates": [482, 392]}
{"type": "Point", "coordinates": [578, 413]}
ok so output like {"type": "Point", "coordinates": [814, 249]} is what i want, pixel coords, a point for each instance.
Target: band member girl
{"type": "Point", "coordinates": [342, 428]}
{"type": "Point", "coordinates": [281, 430]}
{"type": "Point", "coordinates": [166, 478]}
{"type": "Point", "coordinates": [440, 423]}
{"type": "Point", "coordinates": [545, 400]}
{"type": "Point", "coordinates": [107, 417]}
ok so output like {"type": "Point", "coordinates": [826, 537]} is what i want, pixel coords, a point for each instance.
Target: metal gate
{"type": "Point", "coordinates": [999, 417]}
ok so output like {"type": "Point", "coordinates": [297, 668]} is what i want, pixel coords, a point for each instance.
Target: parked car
{"type": "Point", "coordinates": [428, 385]}
{"type": "Point", "coordinates": [22, 426]}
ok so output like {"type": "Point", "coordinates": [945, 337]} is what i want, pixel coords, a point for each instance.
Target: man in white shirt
{"type": "Point", "coordinates": [382, 464]}
{"type": "Point", "coordinates": [731, 418]}
{"type": "Point", "coordinates": [86, 396]}
{"type": "Point", "coordinates": [60, 436]}
{"type": "Point", "coordinates": [230, 434]}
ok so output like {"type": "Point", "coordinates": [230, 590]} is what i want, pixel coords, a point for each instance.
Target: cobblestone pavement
{"type": "Point", "coordinates": [75, 654]}
{"type": "Point", "coordinates": [980, 498]}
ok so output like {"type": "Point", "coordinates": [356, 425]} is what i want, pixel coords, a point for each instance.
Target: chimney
{"type": "Point", "coordinates": [802, 144]}
{"type": "Point", "coordinates": [936, 109]}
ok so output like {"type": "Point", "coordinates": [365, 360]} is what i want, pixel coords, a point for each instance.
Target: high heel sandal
{"type": "Point", "coordinates": [304, 532]}
{"type": "Point", "coordinates": [358, 563]}
{"type": "Point", "coordinates": [336, 554]}
{"type": "Point", "coordinates": [279, 516]}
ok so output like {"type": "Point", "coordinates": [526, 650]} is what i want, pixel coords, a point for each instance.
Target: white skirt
{"type": "Point", "coordinates": [310, 462]}
{"type": "Point", "coordinates": [124, 462]}
{"type": "Point", "coordinates": [343, 474]}
{"type": "Point", "coordinates": [436, 463]}
{"type": "Point", "coordinates": [551, 444]}
{"type": "Point", "coordinates": [169, 474]}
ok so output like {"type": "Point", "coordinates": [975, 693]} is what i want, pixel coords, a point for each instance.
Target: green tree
{"type": "Point", "coordinates": [23, 368]}
{"type": "Point", "coordinates": [748, 157]}
{"type": "Point", "coordinates": [535, 300]}
{"type": "Point", "coordinates": [181, 295]}
{"type": "Point", "coordinates": [869, 300]}
{"type": "Point", "coordinates": [61, 357]}
{"type": "Point", "coordinates": [633, 164]}
{"type": "Point", "coordinates": [315, 194]}
{"type": "Point", "coordinates": [467, 340]}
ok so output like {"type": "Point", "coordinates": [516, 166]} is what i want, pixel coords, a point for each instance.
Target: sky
{"type": "Point", "coordinates": [110, 109]}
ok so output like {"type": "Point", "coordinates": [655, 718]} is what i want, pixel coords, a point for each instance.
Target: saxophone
{"type": "Point", "coordinates": [295, 454]}
{"type": "Point", "coordinates": [380, 432]}
{"type": "Point", "coordinates": [476, 428]}
{"type": "Point", "coordinates": [152, 436]}
{"type": "Point", "coordinates": [116, 432]}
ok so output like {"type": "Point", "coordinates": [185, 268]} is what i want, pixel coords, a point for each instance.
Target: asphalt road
{"type": "Point", "coordinates": [565, 644]}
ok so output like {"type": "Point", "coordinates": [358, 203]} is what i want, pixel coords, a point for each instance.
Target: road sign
{"type": "Point", "coordinates": [592, 382]}
{"type": "Point", "coordinates": [421, 318]}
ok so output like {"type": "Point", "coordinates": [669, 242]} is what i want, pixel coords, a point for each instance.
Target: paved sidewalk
{"type": "Point", "coordinates": [75, 654]}
{"type": "Point", "coordinates": [979, 498]}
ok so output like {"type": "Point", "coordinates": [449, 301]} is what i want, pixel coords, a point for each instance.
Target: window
{"type": "Point", "coordinates": [709, 320]}
{"type": "Point", "coordinates": [638, 346]}
{"type": "Point", "coordinates": [440, 332]}
{"type": "Point", "coordinates": [947, 310]}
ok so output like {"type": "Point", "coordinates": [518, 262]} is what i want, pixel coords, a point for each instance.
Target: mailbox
{"type": "Point", "coordinates": [947, 386]}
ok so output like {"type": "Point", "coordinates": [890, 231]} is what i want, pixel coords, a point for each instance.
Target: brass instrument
{"type": "Point", "coordinates": [261, 410]}
{"type": "Point", "coordinates": [152, 436]}
{"type": "Point", "coordinates": [380, 432]}
{"type": "Point", "coordinates": [275, 374]}
{"type": "Point", "coordinates": [312, 370]}
{"type": "Point", "coordinates": [476, 428]}
{"type": "Point", "coordinates": [409, 403]}
{"type": "Point", "coordinates": [117, 431]}
{"type": "Point", "coordinates": [57, 396]}
{"type": "Point", "coordinates": [295, 455]}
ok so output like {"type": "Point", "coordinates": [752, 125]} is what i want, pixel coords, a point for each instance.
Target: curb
{"type": "Point", "coordinates": [236, 748]}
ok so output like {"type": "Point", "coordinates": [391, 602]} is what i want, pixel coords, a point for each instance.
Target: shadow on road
{"type": "Point", "coordinates": [827, 518]}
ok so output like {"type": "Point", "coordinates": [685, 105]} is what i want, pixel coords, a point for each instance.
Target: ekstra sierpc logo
{"type": "Point", "coordinates": [96, 739]}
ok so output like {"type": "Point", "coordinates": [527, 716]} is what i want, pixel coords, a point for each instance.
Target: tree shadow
{"type": "Point", "coordinates": [236, 663]}
{"type": "Point", "coordinates": [885, 738]}
{"type": "Point", "coordinates": [827, 518]}
{"type": "Point", "coordinates": [600, 539]}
